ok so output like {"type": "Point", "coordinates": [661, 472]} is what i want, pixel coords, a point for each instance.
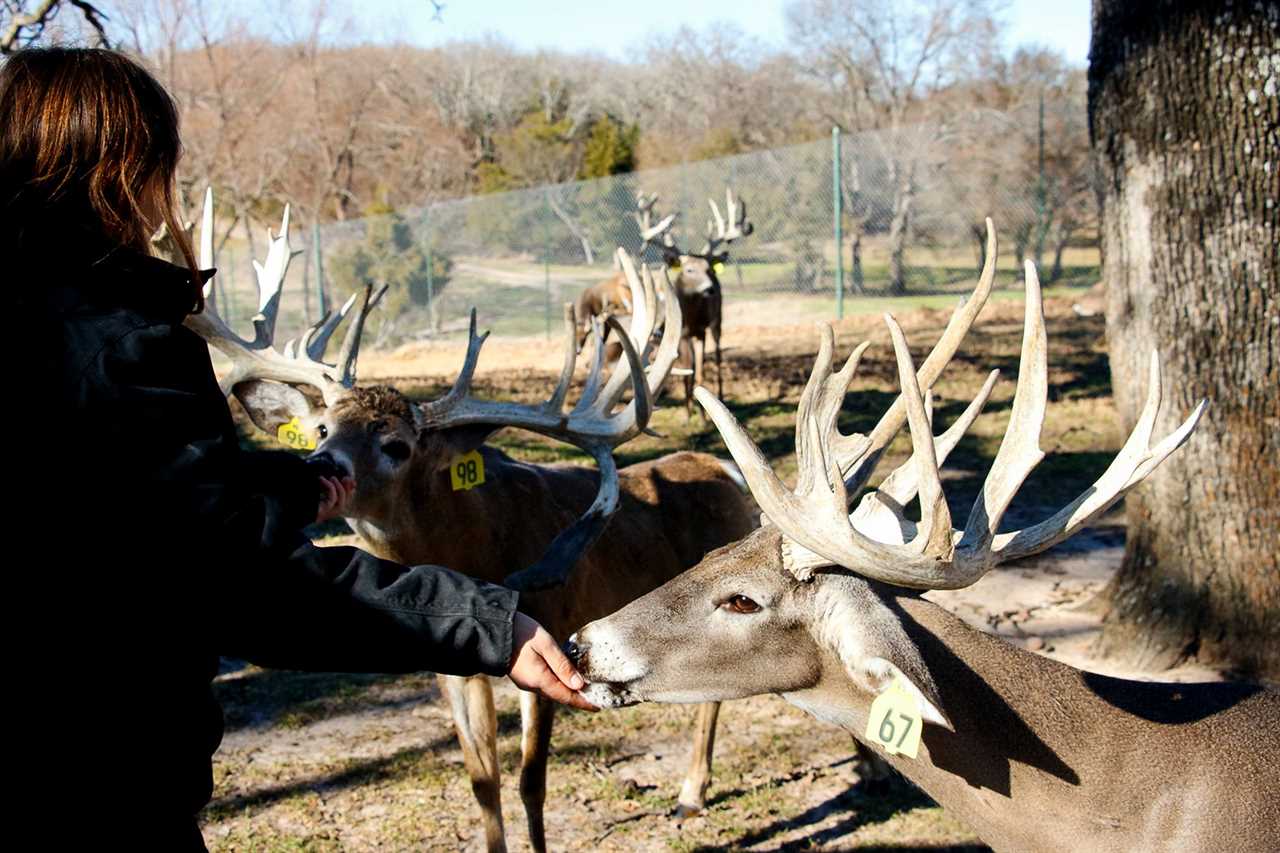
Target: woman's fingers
{"type": "Point", "coordinates": [558, 661]}
{"type": "Point", "coordinates": [539, 665]}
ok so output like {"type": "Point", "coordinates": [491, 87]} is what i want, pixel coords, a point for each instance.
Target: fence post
{"type": "Point", "coordinates": [431, 269]}
{"type": "Point", "coordinates": [315, 247]}
{"type": "Point", "coordinates": [546, 267]}
{"type": "Point", "coordinates": [837, 199]}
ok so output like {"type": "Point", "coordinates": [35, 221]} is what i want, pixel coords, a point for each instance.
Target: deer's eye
{"type": "Point", "coordinates": [740, 604]}
{"type": "Point", "coordinates": [397, 450]}
{"type": "Point", "coordinates": [322, 431]}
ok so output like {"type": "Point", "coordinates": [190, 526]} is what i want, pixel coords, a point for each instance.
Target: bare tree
{"type": "Point", "coordinates": [884, 64]}
{"type": "Point", "coordinates": [23, 23]}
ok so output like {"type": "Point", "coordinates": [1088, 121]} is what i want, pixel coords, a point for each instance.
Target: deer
{"type": "Point", "coordinates": [825, 608]}
{"type": "Point", "coordinates": [401, 451]}
{"type": "Point", "coordinates": [613, 295]}
{"type": "Point", "coordinates": [697, 284]}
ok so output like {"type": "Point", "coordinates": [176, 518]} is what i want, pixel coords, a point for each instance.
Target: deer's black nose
{"type": "Point", "coordinates": [577, 652]}
{"type": "Point", "coordinates": [325, 465]}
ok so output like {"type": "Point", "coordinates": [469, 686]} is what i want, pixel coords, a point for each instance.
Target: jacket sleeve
{"type": "Point", "coordinates": [240, 563]}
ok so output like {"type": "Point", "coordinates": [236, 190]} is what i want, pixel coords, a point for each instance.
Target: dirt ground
{"type": "Point", "coordinates": [328, 762]}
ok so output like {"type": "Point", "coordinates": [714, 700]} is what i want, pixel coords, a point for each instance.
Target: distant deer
{"type": "Point", "coordinates": [613, 295]}
{"type": "Point", "coordinates": [823, 607]}
{"type": "Point", "coordinates": [676, 508]}
{"type": "Point", "coordinates": [697, 284]}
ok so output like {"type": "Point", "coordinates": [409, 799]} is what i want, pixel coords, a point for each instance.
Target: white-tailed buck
{"type": "Point", "coordinates": [697, 283]}
{"type": "Point", "coordinates": [407, 508]}
{"type": "Point", "coordinates": [823, 606]}
{"type": "Point", "coordinates": [613, 295]}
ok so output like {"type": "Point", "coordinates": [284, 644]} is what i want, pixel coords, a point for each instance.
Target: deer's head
{"type": "Point", "coordinates": [388, 442]}
{"type": "Point", "coordinates": [698, 272]}
{"type": "Point", "coordinates": [805, 606]}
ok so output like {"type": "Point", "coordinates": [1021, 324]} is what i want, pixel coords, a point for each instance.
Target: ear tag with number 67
{"type": "Point", "coordinates": [293, 435]}
{"type": "Point", "coordinates": [467, 471]}
{"type": "Point", "coordinates": [895, 721]}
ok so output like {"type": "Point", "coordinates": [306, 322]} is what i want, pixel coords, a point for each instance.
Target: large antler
{"type": "Point", "coordinates": [650, 230]}
{"type": "Point", "coordinates": [301, 361]}
{"type": "Point", "coordinates": [592, 424]}
{"type": "Point", "coordinates": [877, 540]}
{"type": "Point", "coordinates": [722, 231]}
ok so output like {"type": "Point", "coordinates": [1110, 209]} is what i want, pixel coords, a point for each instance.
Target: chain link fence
{"type": "Point", "coordinates": [905, 208]}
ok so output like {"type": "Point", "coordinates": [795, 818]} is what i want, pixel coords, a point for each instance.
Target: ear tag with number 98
{"type": "Point", "coordinates": [895, 721]}
{"type": "Point", "coordinates": [467, 471]}
{"type": "Point", "coordinates": [293, 435]}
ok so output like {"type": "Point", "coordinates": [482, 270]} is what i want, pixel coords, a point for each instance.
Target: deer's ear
{"type": "Point", "coordinates": [873, 645]}
{"type": "Point", "coordinates": [270, 405]}
{"type": "Point", "coordinates": [876, 675]}
{"type": "Point", "coordinates": [456, 441]}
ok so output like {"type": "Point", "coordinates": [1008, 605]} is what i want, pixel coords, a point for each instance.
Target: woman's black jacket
{"type": "Point", "coordinates": [148, 543]}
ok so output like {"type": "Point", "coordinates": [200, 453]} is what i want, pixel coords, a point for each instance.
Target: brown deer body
{"type": "Point", "coordinates": [405, 508]}
{"type": "Point", "coordinates": [822, 606]}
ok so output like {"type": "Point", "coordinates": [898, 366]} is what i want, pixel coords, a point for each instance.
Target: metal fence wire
{"type": "Point", "coordinates": [906, 208]}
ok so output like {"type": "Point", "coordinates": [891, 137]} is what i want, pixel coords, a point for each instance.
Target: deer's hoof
{"type": "Point", "coordinates": [685, 811]}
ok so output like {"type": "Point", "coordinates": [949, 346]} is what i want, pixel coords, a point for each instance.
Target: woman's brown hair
{"type": "Point", "coordinates": [87, 138]}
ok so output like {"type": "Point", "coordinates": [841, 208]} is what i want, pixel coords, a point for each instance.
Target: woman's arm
{"type": "Point", "coordinates": [232, 550]}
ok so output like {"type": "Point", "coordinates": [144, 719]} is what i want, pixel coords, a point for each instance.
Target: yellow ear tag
{"type": "Point", "coordinates": [293, 435]}
{"type": "Point", "coordinates": [467, 471]}
{"type": "Point", "coordinates": [674, 266]}
{"type": "Point", "coordinates": [895, 721]}
{"type": "Point", "coordinates": [719, 269]}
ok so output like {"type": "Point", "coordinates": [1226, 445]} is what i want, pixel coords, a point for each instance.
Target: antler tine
{"type": "Point", "coordinates": [934, 533]}
{"type": "Point", "coordinates": [880, 513]}
{"type": "Point", "coordinates": [270, 279]}
{"type": "Point", "coordinates": [207, 260]}
{"type": "Point", "coordinates": [595, 374]}
{"type": "Point", "coordinates": [644, 298]}
{"type": "Point", "coordinates": [439, 409]}
{"type": "Point", "coordinates": [1132, 464]}
{"type": "Point", "coordinates": [862, 453]}
{"type": "Point", "coordinates": [317, 337]}
{"type": "Point", "coordinates": [350, 351]}
{"type": "Point", "coordinates": [1020, 449]}
{"type": "Point", "coordinates": [555, 402]}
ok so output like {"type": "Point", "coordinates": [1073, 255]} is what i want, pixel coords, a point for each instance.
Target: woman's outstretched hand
{"type": "Point", "coordinates": [539, 666]}
{"type": "Point", "coordinates": [337, 494]}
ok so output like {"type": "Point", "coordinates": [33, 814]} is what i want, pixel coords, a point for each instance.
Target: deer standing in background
{"type": "Point", "coordinates": [676, 508]}
{"type": "Point", "coordinates": [697, 285]}
{"type": "Point", "coordinates": [613, 295]}
{"type": "Point", "coordinates": [823, 607]}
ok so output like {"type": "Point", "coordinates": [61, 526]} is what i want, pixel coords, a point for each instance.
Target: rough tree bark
{"type": "Point", "coordinates": [1184, 116]}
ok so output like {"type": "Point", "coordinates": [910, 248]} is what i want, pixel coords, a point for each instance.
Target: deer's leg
{"type": "Point", "coordinates": [686, 360]}
{"type": "Point", "coordinates": [699, 353]}
{"type": "Point", "coordinates": [715, 337]}
{"type": "Point", "coordinates": [536, 717]}
{"type": "Point", "coordinates": [693, 793]}
{"type": "Point", "coordinates": [874, 773]}
{"type": "Point", "coordinates": [476, 721]}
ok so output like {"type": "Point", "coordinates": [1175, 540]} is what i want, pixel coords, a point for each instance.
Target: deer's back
{"type": "Point", "coordinates": [673, 511]}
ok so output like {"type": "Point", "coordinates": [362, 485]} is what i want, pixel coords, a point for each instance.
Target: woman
{"type": "Point", "coordinates": [148, 542]}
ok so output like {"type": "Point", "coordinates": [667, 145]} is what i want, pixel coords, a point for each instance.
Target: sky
{"type": "Point", "coordinates": [608, 26]}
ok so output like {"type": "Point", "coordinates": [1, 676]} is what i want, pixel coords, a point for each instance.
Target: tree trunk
{"type": "Point", "coordinates": [1184, 120]}
{"type": "Point", "coordinates": [904, 197]}
{"type": "Point", "coordinates": [855, 257]}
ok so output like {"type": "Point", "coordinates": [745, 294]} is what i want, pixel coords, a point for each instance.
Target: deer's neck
{"type": "Point", "coordinates": [1046, 757]}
